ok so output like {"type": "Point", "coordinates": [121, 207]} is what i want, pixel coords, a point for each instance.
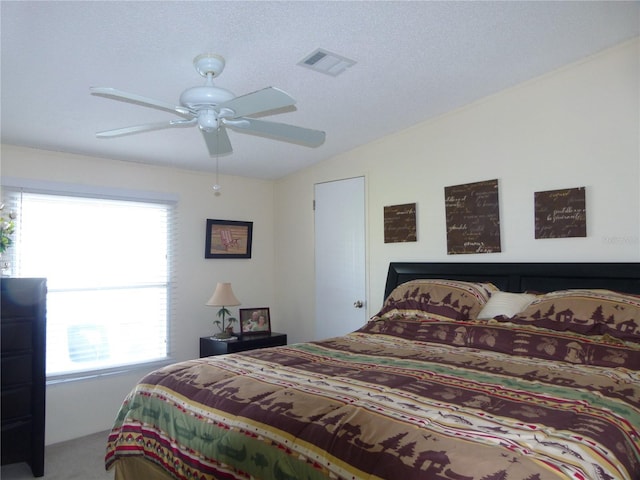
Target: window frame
{"type": "Point", "coordinates": [170, 200]}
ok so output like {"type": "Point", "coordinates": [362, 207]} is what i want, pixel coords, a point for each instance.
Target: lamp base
{"type": "Point", "coordinates": [222, 335]}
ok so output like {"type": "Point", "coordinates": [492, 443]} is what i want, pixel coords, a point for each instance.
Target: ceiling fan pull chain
{"type": "Point", "coordinates": [217, 187]}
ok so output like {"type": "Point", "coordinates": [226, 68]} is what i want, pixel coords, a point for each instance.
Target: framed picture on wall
{"type": "Point", "coordinates": [228, 239]}
{"type": "Point", "coordinates": [255, 321]}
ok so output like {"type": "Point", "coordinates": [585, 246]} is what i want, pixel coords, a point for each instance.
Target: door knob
{"type": "Point", "coordinates": [358, 304]}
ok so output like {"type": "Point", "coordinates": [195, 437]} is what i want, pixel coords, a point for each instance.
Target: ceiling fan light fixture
{"type": "Point", "coordinates": [208, 120]}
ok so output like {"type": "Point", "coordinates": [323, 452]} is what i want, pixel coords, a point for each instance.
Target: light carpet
{"type": "Point", "coordinates": [78, 459]}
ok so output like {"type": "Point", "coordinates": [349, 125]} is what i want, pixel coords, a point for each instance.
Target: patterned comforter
{"type": "Point", "coordinates": [398, 399]}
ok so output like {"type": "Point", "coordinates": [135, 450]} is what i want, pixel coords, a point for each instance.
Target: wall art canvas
{"type": "Point", "coordinates": [473, 218]}
{"type": "Point", "coordinates": [560, 213]}
{"type": "Point", "coordinates": [400, 223]}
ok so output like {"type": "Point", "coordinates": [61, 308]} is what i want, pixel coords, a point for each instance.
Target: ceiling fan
{"type": "Point", "coordinates": [213, 109]}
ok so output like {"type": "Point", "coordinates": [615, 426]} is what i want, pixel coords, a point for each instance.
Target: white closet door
{"type": "Point", "coordinates": [340, 257]}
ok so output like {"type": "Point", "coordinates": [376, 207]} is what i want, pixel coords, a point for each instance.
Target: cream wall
{"type": "Point", "coordinates": [83, 407]}
{"type": "Point", "coordinates": [575, 127]}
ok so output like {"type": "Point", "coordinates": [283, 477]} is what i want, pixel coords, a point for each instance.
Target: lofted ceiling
{"type": "Point", "coordinates": [414, 60]}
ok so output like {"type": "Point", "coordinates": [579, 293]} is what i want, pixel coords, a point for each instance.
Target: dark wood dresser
{"type": "Point", "coordinates": [22, 353]}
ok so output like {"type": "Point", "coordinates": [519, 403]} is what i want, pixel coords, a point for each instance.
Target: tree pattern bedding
{"type": "Point", "coordinates": [414, 394]}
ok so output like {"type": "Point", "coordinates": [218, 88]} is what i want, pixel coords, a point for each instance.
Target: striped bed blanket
{"type": "Point", "coordinates": [400, 398]}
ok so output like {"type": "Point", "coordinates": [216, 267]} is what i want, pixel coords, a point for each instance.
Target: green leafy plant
{"type": "Point", "coordinates": [7, 226]}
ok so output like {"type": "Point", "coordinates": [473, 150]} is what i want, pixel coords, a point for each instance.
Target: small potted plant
{"type": "Point", "coordinates": [225, 331]}
{"type": "Point", "coordinates": [229, 329]}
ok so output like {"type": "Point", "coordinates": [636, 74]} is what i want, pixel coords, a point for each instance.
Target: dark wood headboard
{"type": "Point", "coordinates": [521, 277]}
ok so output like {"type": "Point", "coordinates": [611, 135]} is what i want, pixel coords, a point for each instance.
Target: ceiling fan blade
{"type": "Point", "coordinates": [147, 127]}
{"type": "Point", "coordinates": [278, 131]}
{"type": "Point", "coordinates": [269, 98]}
{"type": "Point", "coordinates": [116, 94]}
{"type": "Point", "coordinates": [218, 142]}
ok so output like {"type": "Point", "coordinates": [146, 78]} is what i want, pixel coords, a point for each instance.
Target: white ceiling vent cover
{"type": "Point", "coordinates": [326, 62]}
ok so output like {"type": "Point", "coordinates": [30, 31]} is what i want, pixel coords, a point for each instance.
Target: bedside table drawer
{"type": "Point", "coordinates": [210, 346]}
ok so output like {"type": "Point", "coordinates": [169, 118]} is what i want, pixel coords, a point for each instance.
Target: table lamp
{"type": "Point", "coordinates": [223, 297]}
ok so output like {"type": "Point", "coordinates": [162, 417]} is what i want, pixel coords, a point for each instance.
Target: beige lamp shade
{"type": "Point", "coordinates": [223, 296]}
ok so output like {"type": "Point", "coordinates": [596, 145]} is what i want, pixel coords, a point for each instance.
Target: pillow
{"type": "Point", "coordinates": [450, 299]}
{"type": "Point", "coordinates": [589, 312]}
{"type": "Point", "coordinates": [505, 304]}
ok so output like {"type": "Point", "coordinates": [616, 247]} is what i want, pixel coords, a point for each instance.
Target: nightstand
{"type": "Point", "coordinates": [210, 346]}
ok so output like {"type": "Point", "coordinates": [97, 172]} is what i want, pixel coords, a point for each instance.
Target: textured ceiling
{"type": "Point", "coordinates": [415, 60]}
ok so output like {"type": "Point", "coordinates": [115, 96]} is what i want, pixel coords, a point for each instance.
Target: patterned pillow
{"type": "Point", "coordinates": [449, 299]}
{"type": "Point", "coordinates": [589, 312]}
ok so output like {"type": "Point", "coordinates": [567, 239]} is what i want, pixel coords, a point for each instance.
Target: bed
{"type": "Point", "coordinates": [470, 371]}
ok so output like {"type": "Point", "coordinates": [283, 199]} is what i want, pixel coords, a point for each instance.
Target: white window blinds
{"type": "Point", "coordinates": [107, 265]}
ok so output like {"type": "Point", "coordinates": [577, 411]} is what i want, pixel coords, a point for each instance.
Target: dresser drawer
{"type": "Point", "coordinates": [16, 307]}
{"type": "Point", "coordinates": [16, 370]}
{"type": "Point", "coordinates": [16, 335]}
{"type": "Point", "coordinates": [16, 440]}
{"type": "Point", "coordinates": [16, 402]}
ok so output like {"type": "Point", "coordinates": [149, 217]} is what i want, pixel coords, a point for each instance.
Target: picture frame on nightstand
{"type": "Point", "coordinates": [255, 321]}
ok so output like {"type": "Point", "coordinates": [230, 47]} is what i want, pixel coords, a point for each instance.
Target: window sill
{"type": "Point", "coordinates": [141, 368]}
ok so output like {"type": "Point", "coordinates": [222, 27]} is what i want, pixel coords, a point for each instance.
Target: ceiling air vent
{"type": "Point", "coordinates": [326, 62]}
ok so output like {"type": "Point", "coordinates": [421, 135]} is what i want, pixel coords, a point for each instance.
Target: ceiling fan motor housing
{"type": "Point", "coordinates": [205, 100]}
{"type": "Point", "coordinates": [205, 96]}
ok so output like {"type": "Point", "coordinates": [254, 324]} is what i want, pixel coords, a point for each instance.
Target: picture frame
{"type": "Point", "coordinates": [255, 321]}
{"type": "Point", "coordinates": [228, 239]}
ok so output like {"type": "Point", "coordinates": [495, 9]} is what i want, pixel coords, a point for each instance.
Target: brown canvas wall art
{"type": "Point", "coordinates": [473, 218]}
{"type": "Point", "coordinates": [400, 223]}
{"type": "Point", "coordinates": [560, 213]}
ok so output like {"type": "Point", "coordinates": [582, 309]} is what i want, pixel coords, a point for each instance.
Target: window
{"type": "Point", "coordinates": [107, 266]}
